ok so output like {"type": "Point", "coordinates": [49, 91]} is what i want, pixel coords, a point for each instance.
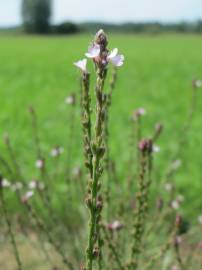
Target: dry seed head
{"type": "Point", "coordinates": [178, 220]}
{"type": "Point", "coordinates": [96, 252]}
{"type": "Point", "coordinates": [31, 109]}
{"type": "Point", "coordinates": [89, 202]}
{"type": "Point", "coordinates": [159, 127]}
{"type": "Point", "coordinates": [160, 204]}
{"type": "Point", "coordinates": [99, 204]}
{"type": "Point", "coordinates": [145, 145]}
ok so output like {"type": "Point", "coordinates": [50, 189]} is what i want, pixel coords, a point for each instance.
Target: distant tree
{"type": "Point", "coordinates": [65, 28]}
{"type": "Point", "coordinates": [199, 26]}
{"type": "Point", "coordinates": [36, 15]}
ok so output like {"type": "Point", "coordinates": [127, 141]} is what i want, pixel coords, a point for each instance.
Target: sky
{"type": "Point", "coordinates": [110, 10]}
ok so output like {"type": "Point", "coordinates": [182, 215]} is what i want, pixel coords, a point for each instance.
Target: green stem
{"type": "Point", "coordinates": [98, 151]}
{"type": "Point", "coordinates": [12, 237]}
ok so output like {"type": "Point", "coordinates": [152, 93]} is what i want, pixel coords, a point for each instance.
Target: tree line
{"type": "Point", "coordinates": [36, 16]}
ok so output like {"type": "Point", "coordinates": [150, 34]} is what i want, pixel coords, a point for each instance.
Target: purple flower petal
{"type": "Point", "coordinates": [81, 64]}
{"type": "Point", "coordinates": [93, 51]}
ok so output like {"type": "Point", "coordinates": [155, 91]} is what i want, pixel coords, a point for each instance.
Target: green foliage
{"type": "Point", "coordinates": [39, 71]}
{"type": "Point", "coordinates": [36, 15]}
{"type": "Point", "coordinates": [34, 74]}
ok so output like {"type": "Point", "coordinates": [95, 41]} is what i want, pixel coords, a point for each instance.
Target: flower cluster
{"type": "Point", "coordinates": [100, 55]}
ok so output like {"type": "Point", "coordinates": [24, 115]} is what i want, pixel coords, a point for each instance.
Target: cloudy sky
{"type": "Point", "coordinates": [110, 10]}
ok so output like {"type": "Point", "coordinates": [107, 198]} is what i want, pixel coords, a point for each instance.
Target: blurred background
{"type": "Point", "coordinates": [61, 16]}
{"type": "Point", "coordinates": [161, 41]}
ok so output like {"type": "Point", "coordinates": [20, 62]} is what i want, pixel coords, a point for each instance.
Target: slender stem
{"type": "Point", "coordinates": [8, 222]}
{"type": "Point", "coordinates": [98, 152]}
{"type": "Point", "coordinates": [106, 137]}
{"type": "Point", "coordinates": [112, 247]}
{"type": "Point", "coordinates": [35, 133]}
{"type": "Point", "coordinates": [43, 227]}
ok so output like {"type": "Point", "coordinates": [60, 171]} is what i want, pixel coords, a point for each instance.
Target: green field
{"type": "Point", "coordinates": [157, 75]}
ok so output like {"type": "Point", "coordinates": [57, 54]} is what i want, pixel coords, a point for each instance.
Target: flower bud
{"type": "Point", "coordinates": [101, 39]}
{"type": "Point", "coordinates": [145, 145]}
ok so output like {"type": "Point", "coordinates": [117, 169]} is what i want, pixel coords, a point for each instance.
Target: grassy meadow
{"type": "Point", "coordinates": [157, 75]}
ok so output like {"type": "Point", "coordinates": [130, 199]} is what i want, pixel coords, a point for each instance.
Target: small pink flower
{"type": "Point", "coordinates": [138, 113]}
{"type": "Point", "coordinates": [5, 183]}
{"type": "Point", "coordinates": [70, 100]}
{"type": "Point", "coordinates": [55, 152]}
{"type": "Point", "coordinates": [39, 164]}
{"type": "Point", "coordinates": [178, 240]}
{"type": "Point", "coordinates": [93, 51]}
{"type": "Point", "coordinates": [33, 184]}
{"type": "Point", "coordinates": [175, 204]}
{"type": "Point", "coordinates": [115, 226]}
{"type": "Point", "coordinates": [81, 64]}
{"type": "Point", "coordinates": [169, 187]}
{"type": "Point", "coordinates": [197, 83]}
{"type": "Point", "coordinates": [115, 58]}
{"type": "Point", "coordinates": [27, 196]}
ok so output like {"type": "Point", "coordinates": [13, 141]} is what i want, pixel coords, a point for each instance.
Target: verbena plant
{"type": "Point", "coordinates": [125, 227]}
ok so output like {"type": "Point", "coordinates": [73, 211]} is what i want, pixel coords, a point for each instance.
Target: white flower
{"type": "Point", "coordinates": [39, 164]}
{"type": "Point", "coordinates": [176, 164]}
{"type": "Point", "coordinates": [57, 151]}
{"type": "Point", "coordinates": [81, 64]}
{"type": "Point", "coordinates": [115, 226]}
{"type": "Point", "coordinates": [197, 83]}
{"type": "Point", "coordinates": [54, 152]}
{"type": "Point", "coordinates": [200, 219]}
{"type": "Point", "coordinates": [70, 100]}
{"type": "Point", "coordinates": [180, 198]}
{"type": "Point", "coordinates": [155, 148]}
{"type": "Point", "coordinates": [141, 111]}
{"type": "Point", "coordinates": [138, 113]}
{"type": "Point", "coordinates": [175, 204]}
{"type": "Point", "coordinates": [29, 194]}
{"type": "Point", "coordinates": [115, 58]}
{"type": "Point", "coordinates": [93, 51]}
{"type": "Point", "coordinates": [168, 186]}
{"type": "Point", "coordinates": [33, 184]}
{"type": "Point", "coordinates": [5, 183]}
